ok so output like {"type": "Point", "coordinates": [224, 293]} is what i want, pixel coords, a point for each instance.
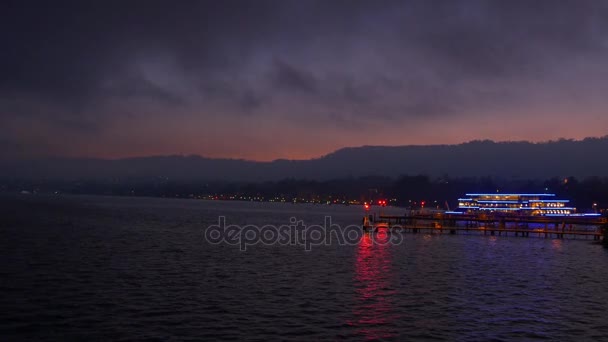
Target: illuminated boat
{"type": "Point", "coordinates": [516, 204]}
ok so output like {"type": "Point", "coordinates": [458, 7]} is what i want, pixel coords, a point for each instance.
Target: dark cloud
{"type": "Point", "coordinates": [67, 49]}
{"type": "Point", "coordinates": [291, 78]}
{"type": "Point", "coordinates": [495, 37]}
{"type": "Point", "coordinates": [135, 86]}
{"type": "Point", "coordinates": [76, 61]}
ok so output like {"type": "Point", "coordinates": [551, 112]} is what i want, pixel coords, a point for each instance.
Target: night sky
{"type": "Point", "coordinates": [295, 79]}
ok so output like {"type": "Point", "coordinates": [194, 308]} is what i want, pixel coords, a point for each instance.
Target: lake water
{"type": "Point", "coordinates": [76, 267]}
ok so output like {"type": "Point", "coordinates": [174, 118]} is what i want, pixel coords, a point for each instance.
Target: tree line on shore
{"type": "Point", "coordinates": [402, 191]}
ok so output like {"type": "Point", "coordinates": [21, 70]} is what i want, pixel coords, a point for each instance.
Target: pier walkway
{"type": "Point", "coordinates": [540, 226]}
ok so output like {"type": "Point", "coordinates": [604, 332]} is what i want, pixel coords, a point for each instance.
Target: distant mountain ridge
{"type": "Point", "coordinates": [523, 160]}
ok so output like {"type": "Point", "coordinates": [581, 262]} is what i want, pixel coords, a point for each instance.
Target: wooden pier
{"type": "Point", "coordinates": [502, 225]}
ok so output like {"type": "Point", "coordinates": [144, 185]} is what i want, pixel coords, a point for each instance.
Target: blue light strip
{"type": "Point", "coordinates": [497, 194]}
{"type": "Point", "coordinates": [454, 212]}
{"type": "Point", "coordinates": [465, 199]}
{"type": "Point", "coordinates": [499, 208]}
{"type": "Point", "coordinates": [547, 208]}
{"type": "Point", "coordinates": [523, 208]}
{"type": "Point", "coordinates": [550, 201]}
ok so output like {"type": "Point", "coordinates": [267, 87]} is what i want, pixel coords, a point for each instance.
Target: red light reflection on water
{"type": "Point", "coordinates": [556, 244]}
{"type": "Point", "coordinates": [373, 312]}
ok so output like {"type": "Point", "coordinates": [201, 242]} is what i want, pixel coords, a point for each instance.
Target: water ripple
{"type": "Point", "coordinates": [123, 269]}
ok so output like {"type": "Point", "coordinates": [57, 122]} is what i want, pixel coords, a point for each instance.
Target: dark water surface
{"type": "Point", "coordinates": [133, 268]}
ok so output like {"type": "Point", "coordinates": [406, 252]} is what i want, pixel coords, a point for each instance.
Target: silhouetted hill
{"type": "Point", "coordinates": [519, 160]}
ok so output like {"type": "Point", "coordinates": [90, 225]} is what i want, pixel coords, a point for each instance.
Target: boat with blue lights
{"type": "Point", "coordinates": [521, 204]}
{"type": "Point", "coordinates": [519, 214]}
